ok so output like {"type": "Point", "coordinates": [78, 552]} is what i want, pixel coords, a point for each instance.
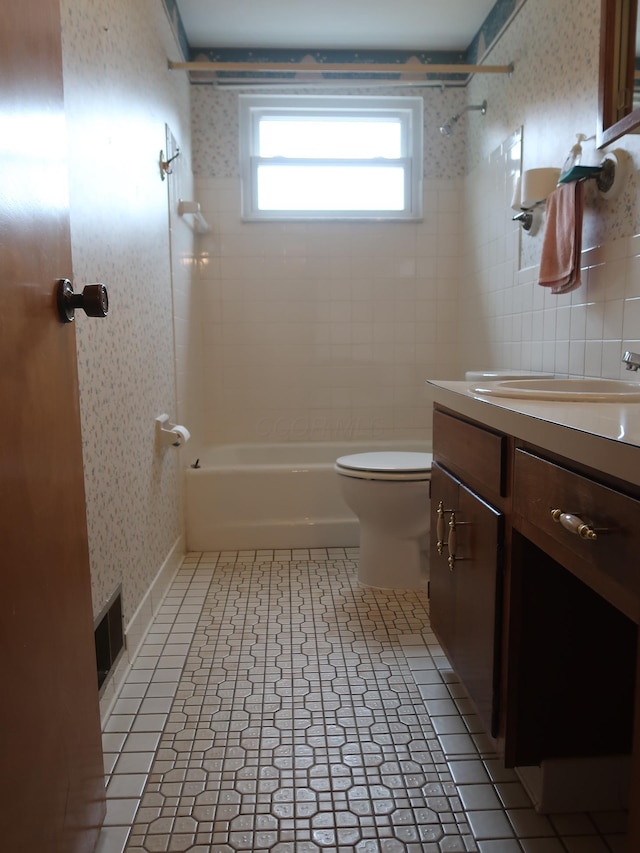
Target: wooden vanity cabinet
{"type": "Point", "coordinates": [466, 558]}
{"type": "Point", "coordinates": [531, 616]}
{"type": "Point", "coordinates": [574, 599]}
{"type": "Point", "coordinates": [539, 621]}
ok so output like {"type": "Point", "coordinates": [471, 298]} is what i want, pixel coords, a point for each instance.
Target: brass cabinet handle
{"type": "Point", "coordinates": [440, 523]}
{"type": "Point", "coordinates": [574, 524]}
{"type": "Point", "coordinates": [440, 528]}
{"type": "Point", "coordinates": [452, 542]}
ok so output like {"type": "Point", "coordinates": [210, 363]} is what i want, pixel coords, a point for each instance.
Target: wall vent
{"type": "Point", "coordinates": [109, 636]}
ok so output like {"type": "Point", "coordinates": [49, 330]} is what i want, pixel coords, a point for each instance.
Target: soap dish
{"type": "Point", "coordinates": [610, 175]}
{"type": "Point", "coordinates": [579, 173]}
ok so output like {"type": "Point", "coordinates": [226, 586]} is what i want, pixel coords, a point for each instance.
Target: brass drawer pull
{"type": "Point", "coordinates": [574, 524]}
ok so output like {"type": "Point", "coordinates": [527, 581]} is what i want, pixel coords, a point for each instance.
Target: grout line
{"type": "Point", "coordinates": [480, 806]}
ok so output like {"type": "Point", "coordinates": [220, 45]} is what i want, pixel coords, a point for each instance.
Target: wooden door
{"type": "Point", "coordinates": [465, 590]}
{"type": "Point", "coordinates": [51, 777]}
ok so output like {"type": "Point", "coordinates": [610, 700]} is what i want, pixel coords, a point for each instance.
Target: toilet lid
{"type": "Point", "coordinates": [386, 465]}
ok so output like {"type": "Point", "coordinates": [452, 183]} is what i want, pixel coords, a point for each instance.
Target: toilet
{"type": "Point", "coordinates": [389, 493]}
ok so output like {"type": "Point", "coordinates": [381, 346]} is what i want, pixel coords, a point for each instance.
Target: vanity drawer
{"type": "Point", "coordinates": [472, 452]}
{"type": "Point", "coordinates": [608, 561]}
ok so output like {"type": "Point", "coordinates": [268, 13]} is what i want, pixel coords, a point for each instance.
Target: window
{"type": "Point", "coordinates": [330, 158]}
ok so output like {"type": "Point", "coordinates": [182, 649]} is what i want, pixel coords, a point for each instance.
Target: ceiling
{"type": "Point", "coordinates": [424, 25]}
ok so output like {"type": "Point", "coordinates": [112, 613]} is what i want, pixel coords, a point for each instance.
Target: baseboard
{"type": "Point", "coordinates": [139, 624]}
{"type": "Point", "coordinates": [578, 784]}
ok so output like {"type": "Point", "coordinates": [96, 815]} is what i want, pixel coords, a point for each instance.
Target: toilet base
{"type": "Point", "coordinates": [387, 563]}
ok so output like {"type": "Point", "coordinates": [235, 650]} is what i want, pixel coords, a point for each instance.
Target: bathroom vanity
{"type": "Point", "coordinates": [535, 573]}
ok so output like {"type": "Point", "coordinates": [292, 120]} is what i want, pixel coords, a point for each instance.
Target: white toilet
{"type": "Point", "coordinates": [389, 493]}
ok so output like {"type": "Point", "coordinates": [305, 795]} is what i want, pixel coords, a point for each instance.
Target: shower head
{"type": "Point", "coordinates": [446, 129]}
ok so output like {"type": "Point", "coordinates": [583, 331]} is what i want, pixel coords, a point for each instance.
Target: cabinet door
{"type": "Point", "coordinates": [465, 588]}
{"type": "Point", "coordinates": [442, 581]}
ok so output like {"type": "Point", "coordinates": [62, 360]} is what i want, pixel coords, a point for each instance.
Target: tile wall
{"type": "Point", "coordinates": [274, 366]}
{"type": "Point", "coordinates": [583, 333]}
{"type": "Point", "coordinates": [506, 319]}
{"type": "Point", "coordinates": [320, 332]}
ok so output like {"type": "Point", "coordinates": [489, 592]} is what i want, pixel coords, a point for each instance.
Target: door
{"type": "Point", "coordinates": [465, 588]}
{"type": "Point", "coordinates": [51, 777]}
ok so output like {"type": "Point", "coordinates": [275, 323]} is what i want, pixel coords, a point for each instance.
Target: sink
{"type": "Point", "coordinates": [571, 390]}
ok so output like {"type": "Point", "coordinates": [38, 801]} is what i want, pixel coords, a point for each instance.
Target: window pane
{"type": "Point", "coordinates": [344, 139]}
{"type": "Point", "coordinates": [282, 187]}
{"type": "Point", "coordinates": [331, 157]}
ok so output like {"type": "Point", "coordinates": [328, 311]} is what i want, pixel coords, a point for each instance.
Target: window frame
{"type": "Point", "coordinates": [409, 110]}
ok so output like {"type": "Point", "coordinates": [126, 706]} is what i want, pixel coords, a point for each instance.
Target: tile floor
{"type": "Point", "coordinates": [276, 705]}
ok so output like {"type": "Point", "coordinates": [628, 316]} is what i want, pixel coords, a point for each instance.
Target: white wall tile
{"type": "Point", "coordinates": [631, 321]}
{"type": "Point", "coordinates": [457, 290]}
{"type": "Point", "coordinates": [328, 327]}
{"type": "Point", "coordinates": [613, 319]}
{"type": "Point", "coordinates": [593, 358]}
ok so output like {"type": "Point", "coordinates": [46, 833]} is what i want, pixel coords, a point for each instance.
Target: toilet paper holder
{"type": "Point", "coordinates": [170, 434]}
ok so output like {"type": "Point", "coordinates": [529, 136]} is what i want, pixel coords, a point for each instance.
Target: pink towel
{"type": "Point", "coordinates": [562, 241]}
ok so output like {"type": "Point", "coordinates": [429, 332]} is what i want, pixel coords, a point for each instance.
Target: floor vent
{"type": "Point", "coordinates": [109, 636]}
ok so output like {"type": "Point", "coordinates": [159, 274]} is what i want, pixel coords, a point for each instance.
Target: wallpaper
{"type": "Point", "coordinates": [506, 319]}
{"type": "Point", "coordinates": [119, 94]}
{"type": "Point", "coordinates": [215, 129]}
{"type": "Point", "coordinates": [553, 94]}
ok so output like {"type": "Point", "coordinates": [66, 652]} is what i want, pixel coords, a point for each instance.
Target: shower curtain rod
{"type": "Point", "coordinates": [240, 83]}
{"type": "Point", "coordinates": [343, 67]}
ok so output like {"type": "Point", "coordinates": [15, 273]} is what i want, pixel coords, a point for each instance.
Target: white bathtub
{"type": "Point", "coordinates": [249, 496]}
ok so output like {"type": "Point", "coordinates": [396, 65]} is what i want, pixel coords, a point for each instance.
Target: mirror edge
{"type": "Point", "coordinates": [608, 133]}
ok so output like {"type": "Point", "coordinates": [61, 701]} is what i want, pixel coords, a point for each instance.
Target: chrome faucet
{"type": "Point", "coordinates": [631, 360]}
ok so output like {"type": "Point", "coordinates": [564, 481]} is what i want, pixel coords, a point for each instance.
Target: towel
{"type": "Point", "coordinates": [562, 241]}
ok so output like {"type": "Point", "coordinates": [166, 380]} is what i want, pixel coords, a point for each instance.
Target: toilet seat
{"type": "Point", "coordinates": [393, 465]}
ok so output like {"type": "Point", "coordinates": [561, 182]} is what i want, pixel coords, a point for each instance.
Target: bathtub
{"type": "Point", "coordinates": [250, 496]}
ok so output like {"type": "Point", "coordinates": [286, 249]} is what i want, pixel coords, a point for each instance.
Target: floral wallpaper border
{"type": "Point", "coordinates": [492, 28]}
{"type": "Point", "coordinates": [175, 19]}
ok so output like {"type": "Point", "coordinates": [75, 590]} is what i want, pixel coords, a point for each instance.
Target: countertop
{"type": "Point", "coordinates": [604, 436]}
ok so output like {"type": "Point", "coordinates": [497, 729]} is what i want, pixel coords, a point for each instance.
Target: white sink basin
{"type": "Point", "coordinates": [576, 390]}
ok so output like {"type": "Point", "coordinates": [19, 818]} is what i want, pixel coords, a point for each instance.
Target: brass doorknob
{"type": "Point", "coordinates": [94, 300]}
